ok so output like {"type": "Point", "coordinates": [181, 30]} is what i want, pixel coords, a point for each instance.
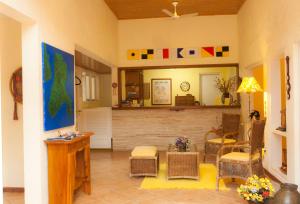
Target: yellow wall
{"type": "Point", "coordinates": [283, 91]}
{"type": "Point", "coordinates": [265, 33]}
{"type": "Point", "coordinates": [64, 24]}
{"type": "Point", "coordinates": [187, 32]}
{"type": "Point", "coordinates": [258, 98]}
{"type": "Point", "coordinates": [283, 84]}
{"type": "Point", "coordinates": [191, 75]}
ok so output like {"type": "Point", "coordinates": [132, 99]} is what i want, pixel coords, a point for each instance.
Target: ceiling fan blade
{"type": "Point", "coordinates": [189, 15]}
{"type": "Point", "coordinates": [169, 13]}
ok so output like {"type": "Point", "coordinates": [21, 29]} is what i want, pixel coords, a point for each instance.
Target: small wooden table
{"type": "Point", "coordinates": [182, 164]}
{"type": "Point", "coordinates": [68, 168]}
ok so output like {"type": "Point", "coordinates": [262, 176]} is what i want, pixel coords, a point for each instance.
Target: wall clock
{"type": "Point", "coordinates": [185, 86]}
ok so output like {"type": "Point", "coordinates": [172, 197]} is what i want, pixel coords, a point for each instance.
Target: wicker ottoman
{"type": "Point", "coordinates": [144, 161]}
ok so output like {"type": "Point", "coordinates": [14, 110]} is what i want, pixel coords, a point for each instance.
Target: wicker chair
{"type": "Point", "coordinates": [243, 164]}
{"type": "Point", "coordinates": [227, 134]}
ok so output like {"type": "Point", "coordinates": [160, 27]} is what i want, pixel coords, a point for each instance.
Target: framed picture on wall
{"type": "Point", "coordinates": [161, 91]}
{"type": "Point", "coordinates": [58, 88]}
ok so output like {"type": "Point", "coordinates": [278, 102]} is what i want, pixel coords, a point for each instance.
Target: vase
{"type": "Point", "coordinates": [224, 96]}
{"type": "Point", "coordinates": [287, 194]}
{"type": "Point", "coordinates": [264, 202]}
{"type": "Point", "coordinates": [181, 148]}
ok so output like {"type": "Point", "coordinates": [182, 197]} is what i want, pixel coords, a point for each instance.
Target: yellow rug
{"type": "Point", "coordinates": [207, 180]}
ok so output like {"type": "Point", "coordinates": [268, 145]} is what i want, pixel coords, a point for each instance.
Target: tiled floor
{"type": "Point", "coordinates": [13, 198]}
{"type": "Point", "coordinates": [112, 185]}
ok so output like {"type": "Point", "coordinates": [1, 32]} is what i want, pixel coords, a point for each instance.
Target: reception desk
{"type": "Point", "coordinates": [160, 126]}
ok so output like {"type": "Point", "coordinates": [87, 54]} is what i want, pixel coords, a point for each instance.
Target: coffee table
{"type": "Point", "coordinates": [182, 164]}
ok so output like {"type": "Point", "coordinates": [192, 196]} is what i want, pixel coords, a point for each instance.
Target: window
{"type": "Point", "coordinates": [89, 88]}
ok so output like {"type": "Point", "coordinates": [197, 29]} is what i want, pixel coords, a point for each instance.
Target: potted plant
{"type": "Point", "coordinates": [182, 144]}
{"type": "Point", "coordinates": [255, 114]}
{"type": "Point", "coordinates": [225, 87]}
{"type": "Point", "coordinates": [256, 190]}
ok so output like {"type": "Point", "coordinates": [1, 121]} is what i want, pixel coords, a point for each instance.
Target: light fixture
{"type": "Point", "coordinates": [249, 85]}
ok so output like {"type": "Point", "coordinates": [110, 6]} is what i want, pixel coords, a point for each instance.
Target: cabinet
{"type": "Point", "coordinates": [68, 168]}
{"type": "Point", "coordinates": [187, 100]}
{"type": "Point", "coordinates": [134, 85]}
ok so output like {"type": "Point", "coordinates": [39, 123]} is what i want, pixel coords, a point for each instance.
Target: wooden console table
{"type": "Point", "coordinates": [68, 168]}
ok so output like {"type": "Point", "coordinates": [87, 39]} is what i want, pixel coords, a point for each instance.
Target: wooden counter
{"type": "Point", "coordinates": [68, 168]}
{"type": "Point", "coordinates": [161, 127]}
{"type": "Point", "coordinates": [176, 108]}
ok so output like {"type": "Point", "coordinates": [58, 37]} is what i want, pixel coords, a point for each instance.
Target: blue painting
{"type": "Point", "coordinates": [58, 88]}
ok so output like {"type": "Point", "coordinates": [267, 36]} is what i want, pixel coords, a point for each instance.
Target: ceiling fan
{"type": "Point", "coordinates": [175, 15]}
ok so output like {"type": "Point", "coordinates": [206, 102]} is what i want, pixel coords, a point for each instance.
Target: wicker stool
{"type": "Point", "coordinates": [144, 161]}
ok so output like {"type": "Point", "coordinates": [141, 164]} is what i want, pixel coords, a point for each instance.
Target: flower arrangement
{"type": "Point", "coordinates": [182, 143]}
{"type": "Point", "coordinates": [222, 85]}
{"type": "Point", "coordinates": [226, 87]}
{"type": "Point", "coordinates": [256, 189]}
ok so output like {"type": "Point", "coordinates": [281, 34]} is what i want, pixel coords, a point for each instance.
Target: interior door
{"type": "Point", "coordinates": [208, 91]}
{"type": "Point", "coordinates": [98, 121]}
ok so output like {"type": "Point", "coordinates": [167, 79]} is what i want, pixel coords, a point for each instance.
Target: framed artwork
{"type": "Point", "coordinates": [161, 91]}
{"type": "Point", "coordinates": [58, 88]}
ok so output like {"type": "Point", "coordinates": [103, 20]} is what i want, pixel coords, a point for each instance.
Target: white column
{"type": "Point", "coordinates": [35, 164]}
{"type": "Point", "coordinates": [1, 174]}
{"type": "Point", "coordinates": [293, 118]}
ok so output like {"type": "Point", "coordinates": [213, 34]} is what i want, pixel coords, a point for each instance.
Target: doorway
{"type": "Point", "coordinates": [11, 112]}
{"type": "Point", "coordinates": [94, 99]}
{"type": "Point", "coordinates": [208, 90]}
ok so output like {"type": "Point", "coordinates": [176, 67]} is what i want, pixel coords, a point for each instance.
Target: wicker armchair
{"type": "Point", "coordinates": [243, 164]}
{"type": "Point", "coordinates": [227, 134]}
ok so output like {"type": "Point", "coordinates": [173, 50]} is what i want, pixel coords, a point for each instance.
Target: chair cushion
{"type": "Point", "coordinates": [219, 141]}
{"type": "Point", "coordinates": [239, 156]}
{"type": "Point", "coordinates": [144, 151]}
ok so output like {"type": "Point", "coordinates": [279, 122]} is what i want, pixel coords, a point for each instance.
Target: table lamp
{"type": "Point", "coordinates": [249, 85]}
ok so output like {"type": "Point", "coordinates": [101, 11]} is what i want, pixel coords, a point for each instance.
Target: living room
{"type": "Point", "coordinates": [124, 53]}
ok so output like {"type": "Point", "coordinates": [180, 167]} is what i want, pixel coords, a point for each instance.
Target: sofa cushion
{"type": "Point", "coordinates": [219, 141]}
{"type": "Point", "coordinates": [239, 156]}
{"type": "Point", "coordinates": [144, 151]}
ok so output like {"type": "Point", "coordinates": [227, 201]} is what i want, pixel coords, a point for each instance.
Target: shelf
{"type": "Point", "coordinates": [174, 108]}
{"type": "Point", "coordinates": [280, 133]}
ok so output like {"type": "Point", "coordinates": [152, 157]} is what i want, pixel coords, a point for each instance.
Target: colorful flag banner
{"type": "Point", "coordinates": [158, 54]}
{"type": "Point", "coordinates": [162, 53]}
{"type": "Point", "coordinates": [133, 55]}
{"type": "Point", "coordinates": [166, 53]}
{"type": "Point", "coordinates": [180, 53]}
{"type": "Point", "coordinates": [222, 51]}
{"type": "Point", "coordinates": [192, 52]}
{"type": "Point", "coordinates": [147, 54]}
{"type": "Point", "coordinates": [207, 52]}
{"type": "Point", "coordinates": [177, 53]}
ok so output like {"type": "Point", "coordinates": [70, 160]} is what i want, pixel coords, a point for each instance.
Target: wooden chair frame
{"type": "Point", "coordinates": [211, 149]}
{"type": "Point", "coordinates": [229, 168]}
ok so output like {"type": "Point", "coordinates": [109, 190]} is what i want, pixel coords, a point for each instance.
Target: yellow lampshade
{"type": "Point", "coordinates": [249, 85]}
